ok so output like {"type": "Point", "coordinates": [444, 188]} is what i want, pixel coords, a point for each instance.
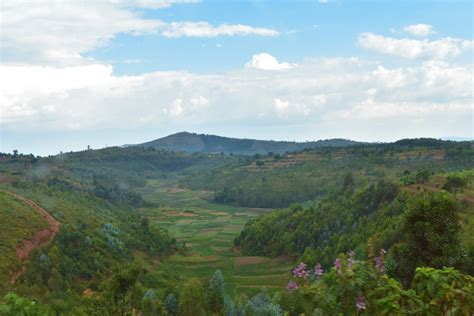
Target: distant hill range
{"type": "Point", "coordinates": [192, 142]}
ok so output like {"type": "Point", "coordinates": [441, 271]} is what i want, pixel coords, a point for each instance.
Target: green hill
{"type": "Point", "coordinates": [192, 142]}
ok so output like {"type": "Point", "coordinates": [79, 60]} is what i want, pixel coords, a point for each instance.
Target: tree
{"type": "Point", "coordinates": [216, 293]}
{"type": "Point", "coordinates": [455, 183]}
{"type": "Point", "coordinates": [171, 305]}
{"type": "Point", "coordinates": [229, 306]}
{"type": "Point", "coordinates": [120, 291]}
{"type": "Point", "coordinates": [15, 153]}
{"type": "Point", "coordinates": [348, 182]}
{"type": "Point", "coordinates": [14, 305]}
{"type": "Point", "coordinates": [192, 300]}
{"type": "Point", "coordinates": [431, 229]}
{"type": "Point", "coordinates": [308, 257]}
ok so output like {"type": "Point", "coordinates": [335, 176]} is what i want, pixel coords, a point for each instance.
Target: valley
{"type": "Point", "coordinates": [208, 230]}
{"type": "Point", "coordinates": [146, 230]}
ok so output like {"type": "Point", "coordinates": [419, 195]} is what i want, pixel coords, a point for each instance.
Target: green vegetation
{"type": "Point", "coordinates": [342, 221]}
{"type": "Point", "coordinates": [278, 181]}
{"type": "Point", "coordinates": [145, 231]}
{"type": "Point", "coordinates": [18, 221]}
{"type": "Point", "coordinates": [208, 231]}
{"type": "Point", "coordinates": [191, 142]}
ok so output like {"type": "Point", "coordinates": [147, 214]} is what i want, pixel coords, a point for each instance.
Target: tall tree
{"type": "Point", "coordinates": [431, 230]}
{"type": "Point", "coordinates": [192, 301]}
{"type": "Point", "coordinates": [216, 293]}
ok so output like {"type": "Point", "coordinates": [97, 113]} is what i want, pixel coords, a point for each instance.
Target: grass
{"type": "Point", "coordinates": [208, 230]}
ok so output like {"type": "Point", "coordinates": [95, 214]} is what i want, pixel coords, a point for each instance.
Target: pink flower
{"type": "Point", "coordinates": [300, 271]}
{"type": "Point", "coordinates": [350, 261]}
{"type": "Point", "coordinates": [318, 270]}
{"type": "Point", "coordinates": [292, 286]}
{"type": "Point", "coordinates": [338, 265]}
{"type": "Point", "coordinates": [379, 261]}
{"type": "Point", "coordinates": [360, 303]}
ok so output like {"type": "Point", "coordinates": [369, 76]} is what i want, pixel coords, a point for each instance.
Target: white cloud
{"type": "Point", "coordinates": [204, 29]}
{"type": "Point", "coordinates": [176, 108]}
{"type": "Point", "coordinates": [199, 102]}
{"type": "Point", "coordinates": [266, 61]}
{"type": "Point", "coordinates": [419, 29]}
{"type": "Point", "coordinates": [318, 94]}
{"type": "Point", "coordinates": [59, 32]}
{"type": "Point", "coordinates": [281, 106]}
{"type": "Point", "coordinates": [152, 4]}
{"type": "Point", "coordinates": [414, 49]}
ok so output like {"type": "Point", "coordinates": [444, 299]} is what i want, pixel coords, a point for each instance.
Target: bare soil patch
{"type": "Point", "coordinates": [239, 261]}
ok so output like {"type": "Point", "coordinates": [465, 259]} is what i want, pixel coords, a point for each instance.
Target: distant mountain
{"type": "Point", "coordinates": [192, 142]}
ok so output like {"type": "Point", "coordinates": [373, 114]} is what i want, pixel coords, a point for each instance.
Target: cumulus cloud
{"type": "Point", "coordinates": [265, 61]}
{"type": "Point", "coordinates": [59, 32]}
{"type": "Point", "coordinates": [319, 94]}
{"type": "Point", "coordinates": [419, 29]}
{"type": "Point", "coordinates": [414, 49]}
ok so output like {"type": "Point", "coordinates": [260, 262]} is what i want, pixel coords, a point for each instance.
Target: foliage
{"type": "Point", "coordinates": [455, 183]}
{"type": "Point", "coordinates": [216, 293]}
{"type": "Point", "coordinates": [192, 299]}
{"type": "Point", "coordinates": [14, 305]}
{"type": "Point", "coordinates": [342, 221]}
{"type": "Point", "coordinates": [431, 231]}
{"type": "Point", "coordinates": [362, 288]}
{"type": "Point", "coordinates": [171, 305]}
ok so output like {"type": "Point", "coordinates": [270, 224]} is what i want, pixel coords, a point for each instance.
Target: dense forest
{"type": "Point", "coordinates": [369, 229]}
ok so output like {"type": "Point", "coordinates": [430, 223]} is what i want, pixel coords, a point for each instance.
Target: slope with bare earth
{"type": "Point", "coordinates": [24, 226]}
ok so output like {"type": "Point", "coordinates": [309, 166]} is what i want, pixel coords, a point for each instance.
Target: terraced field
{"type": "Point", "coordinates": [208, 230]}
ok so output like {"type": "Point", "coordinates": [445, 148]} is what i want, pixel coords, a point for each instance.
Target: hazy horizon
{"type": "Point", "coordinates": [79, 147]}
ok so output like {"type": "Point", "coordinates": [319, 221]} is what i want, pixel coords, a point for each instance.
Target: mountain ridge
{"type": "Point", "coordinates": [193, 142]}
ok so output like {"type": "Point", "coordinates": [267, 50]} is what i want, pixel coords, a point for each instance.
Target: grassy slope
{"type": "Point", "coordinates": [209, 230]}
{"type": "Point", "coordinates": [18, 221]}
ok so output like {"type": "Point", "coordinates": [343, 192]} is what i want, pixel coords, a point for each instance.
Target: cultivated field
{"type": "Point", "coordinates": [209, 229]}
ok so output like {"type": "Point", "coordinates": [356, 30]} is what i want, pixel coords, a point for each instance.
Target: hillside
{"type": "Point", "coordinates": [157, 221]}
{"type": "Point", "coordinates": [18, 222]}
{"type": "Point", "coordinates": [192, 142]}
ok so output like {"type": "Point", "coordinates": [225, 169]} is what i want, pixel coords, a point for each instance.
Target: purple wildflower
{"type": "Point", "coordinates": [300, 271]}
{"type": "Point", "coordinates": [379, 261]}
{"type": "Point", "coordinates": [318, 270]}
{"type": "Point", "coordinates": [360, 303]}
{"type": "Point", "coordinates": [350, 261]}
{"type": "Point", "coordinates": [338, 265]}
{"type": "Point", "coordinates": [292, 286]}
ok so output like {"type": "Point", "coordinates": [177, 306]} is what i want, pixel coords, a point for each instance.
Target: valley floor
{"type": "Point", "coordinates": [208, 230]}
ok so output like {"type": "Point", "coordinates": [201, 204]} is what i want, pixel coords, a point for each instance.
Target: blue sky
{"type": "Point", "coordinates": [308, 29]}
{"type": "Point", "coordinates": [77, 73]}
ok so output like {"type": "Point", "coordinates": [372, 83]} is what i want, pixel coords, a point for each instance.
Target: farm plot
{"type": "Point", "coordinates": [208, 230]}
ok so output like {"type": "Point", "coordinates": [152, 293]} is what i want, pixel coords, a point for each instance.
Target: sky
{"type": "Point", "coordinates": [104, 73]}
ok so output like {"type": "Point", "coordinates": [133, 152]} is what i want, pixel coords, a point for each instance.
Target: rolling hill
{"type": "Point", "coordinates": [192, 142]}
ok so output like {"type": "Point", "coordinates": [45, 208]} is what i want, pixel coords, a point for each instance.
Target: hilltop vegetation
{"type": "Point", "coordinates": [279, 180]}
{"type": "Point", "coordinates": [192, 142]}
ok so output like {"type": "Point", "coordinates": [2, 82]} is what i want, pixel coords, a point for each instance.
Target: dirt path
{"type": "Point", "coordinates": [39, 238]}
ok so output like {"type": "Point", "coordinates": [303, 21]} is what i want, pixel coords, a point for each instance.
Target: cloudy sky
{"type": "Point", "coordinates": [92, 72]}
